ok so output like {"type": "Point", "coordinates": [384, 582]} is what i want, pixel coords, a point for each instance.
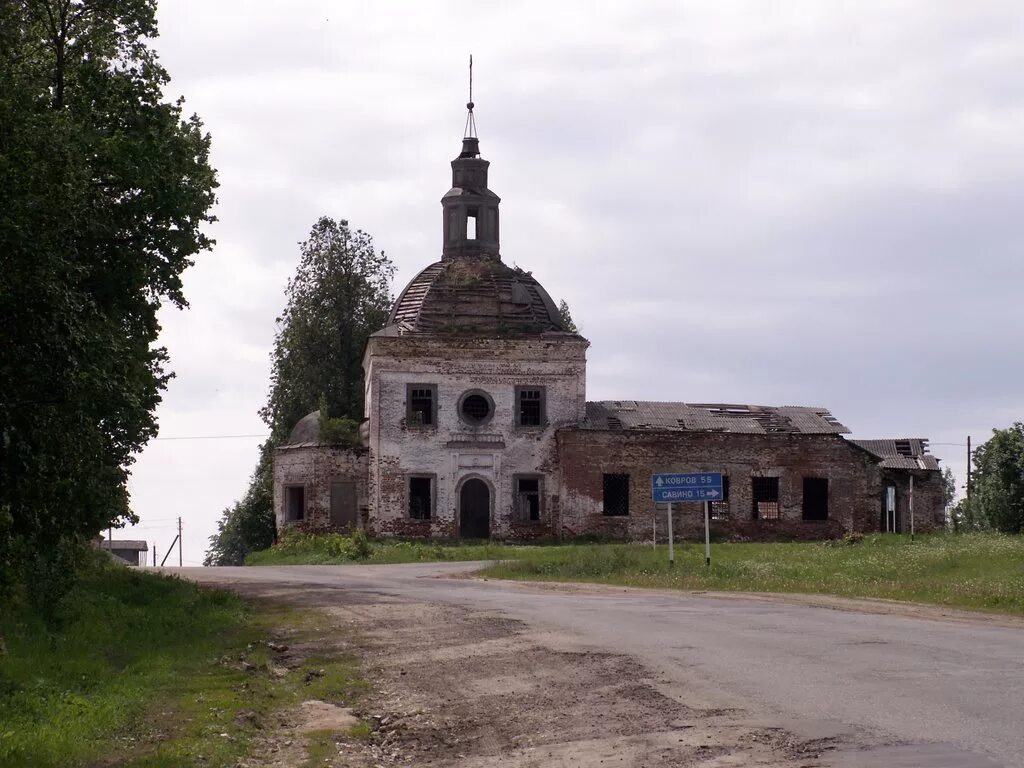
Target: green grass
{"type": "Point", "coordinates": [298, 548]}
{"type": "Point", "coordinates": [973, 571]}
{"type": "Point", "coordinates": [149, 671]}
{"type": "Point", "coordinates": [977, 571]}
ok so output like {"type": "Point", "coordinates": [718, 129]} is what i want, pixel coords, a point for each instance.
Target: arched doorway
{"type": "Point", "coordinates": [475, 510]}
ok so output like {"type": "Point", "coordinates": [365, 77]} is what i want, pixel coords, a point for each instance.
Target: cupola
{"type": "Point", "coordinates": [469, 208]}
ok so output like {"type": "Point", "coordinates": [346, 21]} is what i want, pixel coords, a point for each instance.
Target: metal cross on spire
{"type": "Point", "coordinates": [470, 131]}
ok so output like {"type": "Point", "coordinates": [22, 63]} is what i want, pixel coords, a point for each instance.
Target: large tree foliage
{"type": "Point", "coordinates": [340, 294]}
{"type": "Point", "coordinates": [104, 190]}
{"type": "Point", "coordinates": [999, 479]}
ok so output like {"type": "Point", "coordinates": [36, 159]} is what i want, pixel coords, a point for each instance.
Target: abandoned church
{"type": "Point", "coordinates": [477, 425]}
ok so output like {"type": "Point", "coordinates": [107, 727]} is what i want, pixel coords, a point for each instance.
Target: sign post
{"type": "Point", "coordinates": [670, 487]}
{"type": "Point", "coordinates": [707, 533]}
{"type": "Point", "coordinates": [671, 547]}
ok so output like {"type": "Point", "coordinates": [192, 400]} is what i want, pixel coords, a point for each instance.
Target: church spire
{"type": "Point", "coordinates": [470, 208]}
{"type": "Point", "coordinates": [470, 132]}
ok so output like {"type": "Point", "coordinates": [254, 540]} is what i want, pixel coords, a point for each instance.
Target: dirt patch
{"type": "Point", "coordinates": [463, 688]}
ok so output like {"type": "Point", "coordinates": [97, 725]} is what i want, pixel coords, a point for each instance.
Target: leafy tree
{"type": "Point", "coordinates": [999, 479]}
{"type": "Point", "coordinates": [341, 293]}
{"type": "Point", "coordinates": [104, 191]}
{"type": "Point", "coordinates": [948, 487]}
{"type": "Point", "coordinates": [566, 317]}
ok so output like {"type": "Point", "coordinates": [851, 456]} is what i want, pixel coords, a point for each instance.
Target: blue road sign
{"type": "Point", "coordinates": [695, 486]}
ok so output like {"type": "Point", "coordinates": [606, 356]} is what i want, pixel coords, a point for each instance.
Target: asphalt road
{"type": "Point", "coordinates": [916, 692]}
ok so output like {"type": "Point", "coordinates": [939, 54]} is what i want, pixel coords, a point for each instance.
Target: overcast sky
{"type": "Point", "coordinates": [781, 203]}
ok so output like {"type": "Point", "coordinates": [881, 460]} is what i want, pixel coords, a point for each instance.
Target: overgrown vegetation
{"type": "Point", "coordinates": [150, 671]}
{"type": "Point", "coordinates": [106, 187]}
{"type": "Point", "coordinates": [341, 293]}
{"type": "Point", "coordinates": [983, 571]}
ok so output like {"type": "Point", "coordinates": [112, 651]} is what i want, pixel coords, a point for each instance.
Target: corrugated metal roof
{"type": "Point", "coordinates": [711, 417]}
{"type": "Point", "coordinates": [135, 544]}
{"type": "Point", "coordinates": [901, 452]}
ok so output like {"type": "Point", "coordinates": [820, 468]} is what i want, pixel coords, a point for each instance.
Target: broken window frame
{"type": "Point", "coordinates": [469, 419]}
{"type": "Point", "coordinates": [413, 417]}
{"type": "Point", "coordinates": [765, 495]}
{"type": "Point", "coordinates": [720, 509]}
{"type": "Point", "coordinates": [431, 497]}
{"type": "Point", "coordinates": [820, 514]}
{"type": "Point", "coordinates": [523, 512]}
{"type": "Point", "coordinates": [615, 494]}
{"type": "Point", "coordinates": [541, 401]}
{"type": "Point", "coordinates": [290, 515]}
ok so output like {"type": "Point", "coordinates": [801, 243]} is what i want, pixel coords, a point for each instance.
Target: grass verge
{"type": "Point", "coordinates": [972, 571]}
{"type": "Point", "coordinates": [146, 671]}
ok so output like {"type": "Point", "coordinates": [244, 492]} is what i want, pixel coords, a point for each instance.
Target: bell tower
{"type": "Point", "coordinates": [469, 208]}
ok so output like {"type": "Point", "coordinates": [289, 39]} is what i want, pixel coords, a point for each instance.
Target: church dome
{"type": "Point", "coordinates": [306, 431]}
{"type": "Point", "coordinates": [475, 297]}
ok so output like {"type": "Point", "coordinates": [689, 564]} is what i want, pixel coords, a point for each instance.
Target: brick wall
{"type": "Point", "coordinates": [315, 468]}
{"type": "Point", "coordinates": [854, 491]}
{"type": "Point", "coordinates": [452, 451]}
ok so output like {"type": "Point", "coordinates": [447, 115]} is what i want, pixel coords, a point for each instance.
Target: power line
{"type": "Point", "coordinates": [210, 437]}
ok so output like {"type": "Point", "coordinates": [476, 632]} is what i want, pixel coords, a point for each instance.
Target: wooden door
{"type": "Point", "coordinates": [343, 505]}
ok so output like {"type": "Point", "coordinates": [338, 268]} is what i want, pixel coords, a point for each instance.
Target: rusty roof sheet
{"type": "Point", "coordinates": [901, 452]}
{"type": "Point", "coordinates": [711, 417]}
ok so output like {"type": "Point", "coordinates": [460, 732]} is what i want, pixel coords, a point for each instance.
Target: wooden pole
{"type": "Point", "coordinates": [970, 516]}
{"type": "Point", "coordinates": [911, 507]}
{"type": "Point", "coordinates": [179, 543]}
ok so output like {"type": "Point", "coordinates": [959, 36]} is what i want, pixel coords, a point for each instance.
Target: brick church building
{"type": "Point", "coordinates": [477, 426]}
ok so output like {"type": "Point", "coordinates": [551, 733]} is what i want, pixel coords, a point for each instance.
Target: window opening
{"type": "Point", "coordinates": [471, 224]}
{"type": "Point", "coordinates": [720, 508]}
{"type": "Point", "coordinates": [766, 498]}
{"type": "Point", "coordinates": [616, 495]}
{"type": "Point", "coordinates": [421, 498]}
{"type": "Point", "coordinates": [421, 406]}
{"type": "Point", "coordinates": [295, 502]}
{"type": "Point", "coordinates": [815, 498]}
{"type": "Point", "coordinates": [528, 498]}
{"type": "Point", "coordinates": [476, 408]}
{"type": "Point", "coordinates": [531, 407]}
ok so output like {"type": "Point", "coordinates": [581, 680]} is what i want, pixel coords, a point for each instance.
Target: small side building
{"type": "Point", "coordinates": [128, 551]}
{"type": "Point", "coordinates": [912, 482]}
{"type": "Point", "coordinates": [319, 487]}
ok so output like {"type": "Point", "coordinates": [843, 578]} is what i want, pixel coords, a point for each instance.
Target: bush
{"type": "Point", "coordinates": [336, 546]}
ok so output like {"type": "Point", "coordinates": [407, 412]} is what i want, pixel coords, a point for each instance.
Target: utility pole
{"type": "Point", "coordinates": [911, 506]}
{"type": "Point", "coordinates": [970, 514]}
{"type": "Point", "coordinates": [179, 543]}
{"type": "Point", "coordinates": [154, 554]}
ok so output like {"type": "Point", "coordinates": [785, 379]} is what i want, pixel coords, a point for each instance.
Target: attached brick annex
{"type": "Point", "coordinates": [477, 426]}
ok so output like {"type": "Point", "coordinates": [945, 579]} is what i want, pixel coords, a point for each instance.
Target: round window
{"type": "Point", "coordinates": [476, 408]}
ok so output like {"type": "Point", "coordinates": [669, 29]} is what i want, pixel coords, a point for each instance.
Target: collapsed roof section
{"type": "Point", "coordinates": [900, 453]}
{"type": "Point", "coordinates": [711, 417]}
